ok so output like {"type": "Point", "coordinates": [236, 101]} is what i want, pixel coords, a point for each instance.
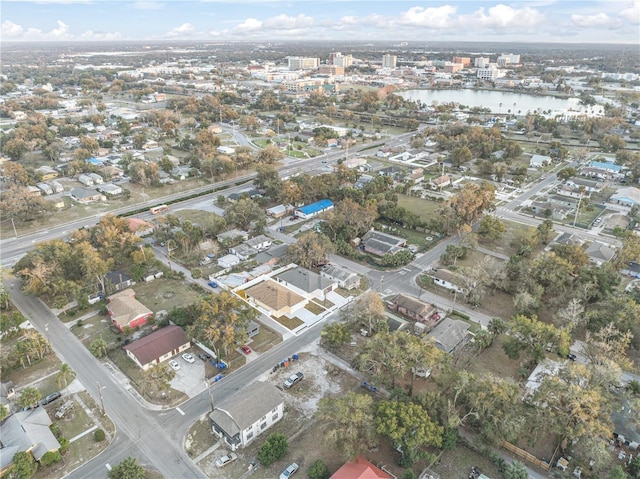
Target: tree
{"type": "Point", "coordinates": [128, 469]}
{"type": "Point", "coordinates": [98, 347]}
{"type": "Point", "coordinates": [566, 173]}
{"type": "Point", "coordinates": [21, 205]}
{"type": "Point", "coordinates": [618, 473]}
{"type": "Point", "coordinates": [460, 155]}
{"type": "Point", "coordinates": [408, 427]}
{"type": "Point", "coordinates": [64, 374]}
{"type": "Point", "coordinates": [466, 206]}
{"type": "Point", "coordinates": [273, 449]}
{"type": "Point", "coordinates": [335, 335]}
{"type": "Point", "coordinates": [159, 377]}
{"type": "Point", "coordinates": [630, 250]}
{"type": "Point", "coordinates": [367, 311]}
{"type": "Point", "coordinates": [496, 326]}
{"type": "Point", "coordinates": [24, 466]}
{"type": "Point", "coordinates": [531, 337]}
{"type": "Point", "coordinates": [491, 228]}
{"type": "Point", "coordinates": [318, 470]}
{"type": "Point", "coordinates": [244, 212]}
{"type": "Point", "coordinates": [348, 422]}
{"type": "Point", "coordinates": [312, 249]}
{"type": "Point", "coordinates": [29, 397]}
{"type": "Point", "coordinates": [4, 412]}
{"type": "Point", "coordinates": [544, 229]}
{"type": "Point", "coordinates": [268, 179]}
{"type": "Point", "coordinates": [516, 470]}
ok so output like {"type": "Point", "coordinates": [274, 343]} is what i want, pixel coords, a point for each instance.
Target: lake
{"type": "Point", "coordinates": [499, 101]}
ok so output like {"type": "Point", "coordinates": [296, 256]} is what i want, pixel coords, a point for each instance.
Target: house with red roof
{"type": "Point", "coordinates": [360, 469]}
{"type": "Point", "coordinates": [158, 346]}
{"type": "Point", "coordinates": [125, 310]}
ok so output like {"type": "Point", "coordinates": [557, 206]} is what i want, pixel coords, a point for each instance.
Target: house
{"type": "Point", "coordinates": [313, 209]}
{"type": "Point", "coordinates": [628, 196]}
{"type": "Point", "coordinates": [232, 237]}
{"type": "Point", "coordinates": [56, 186]}
{"type": "Point", "coordinates": [86, 180]}
{"type": "Point", "coordinates": [412, 307]}
{"type": "Point", "coordinates": [449, 334]}
{"type": "Point", "coordinates": [544, 208]}
{"type": "Point", "coordinates": [97, 179]}
{"type": "Point", "coordinates": [111, 172]}
{"type": "Point", "coordinates": [45, 188]}
{"type": "Point", "coordinates": [379, 243]}
{"type": "Point", "coordinates": [228, 261]}
{"type": "Point", "coordinates": [345, 279]}
{"type": "Point", "coordinates": [416, 174]}
{"type": "Point", "coordinates": [259, 243]}
{"type": "Point", "coordinates": [273, 255]}
{"type": "Point", "coordinates": [139, 226]}
{"type": "Point", "coordinates": [440, 181]}
{"type": "Point", "coordinates": [447, 279]}
{"type": "Point", "coordinates": [538, 161]}
{"type": "Point", "coordinates": [608, 166]}
{"type": "Point", "coordinates": [590, 186]}
{"type": "Point", "coordinates": [360, 469]}
{"type": "Point", "coordinates": [600, 253]}
{"type": "Point", "coordinates": [363, 181]}
{"type": "Point", "coordinates": [85, 195]}
{"type": "Point", "coordinates": [277, 211]}
{"type": "Point", "coordinates": [305, 282]}
{"type": "Point", "coordinates": [7, 391]}
{"type": "Point", "coordinates": [26, 431]}
{"type": "Point", "coordinates": [34, 191]}
{"type": "Point", "coordinates": [110, 189]}
{"type": "Point", "coordinates": [117, 281]}
{"type": "Point", "coordinates": [391, 171]}
{"type": "Point", "coordinates": [242, 251]}
{"type": "Point", "coordinates": [47, 173]}
{"type": "Point", "coordinates": [158, 346]}
{"type": "Point", "coordinates": [275, 298]}
{"type": "Point", "coordinates": [355, 162]}
{"type": "Point", "coordinates": [631, 269]}
{"type": "Point", "coordinates": [126, 311]}
{"type": "Point", "coordinates": [242, 417]}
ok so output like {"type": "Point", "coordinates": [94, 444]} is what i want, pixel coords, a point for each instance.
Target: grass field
{"type": "Point", "coordinates": [425, 209]}
{"type": "Point", "coordinates": [165, 294]}
{"type": "Point", "coordinates": [514, 231]}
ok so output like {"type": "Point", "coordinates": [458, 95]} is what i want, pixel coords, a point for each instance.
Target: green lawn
{"type": "Point", "coordinates": [165, 294]}
{"type": "Point", "coordinates": [196, 216]}
{"type": "Point", "coordinates": [425, 209]}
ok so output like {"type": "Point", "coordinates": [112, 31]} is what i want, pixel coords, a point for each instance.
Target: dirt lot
{"type": "Point", "coordinates": [165, 294]}
{"type": "Point", "coordinates": [322, 379]}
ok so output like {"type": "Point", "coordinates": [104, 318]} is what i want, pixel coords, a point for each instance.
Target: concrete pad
{"type": "Point", "coordinates": [190, 377]}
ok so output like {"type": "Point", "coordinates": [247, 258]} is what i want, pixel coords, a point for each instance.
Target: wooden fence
{"type": "Point", "coordinates": [525, 455]}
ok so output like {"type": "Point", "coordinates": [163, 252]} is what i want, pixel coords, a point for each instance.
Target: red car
{"type": "Point", "coordinates": [246, 349]}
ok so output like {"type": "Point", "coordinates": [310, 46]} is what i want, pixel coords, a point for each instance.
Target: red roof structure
{"type": "Point", "coordinates": [360, 469]}
{"type": "Point", "coordinates": [158, 345]}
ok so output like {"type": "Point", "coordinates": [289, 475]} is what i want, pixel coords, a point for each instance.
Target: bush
{"type": "Point", "coordinates": [274, 448]}
{"type": "Point", "coordinates": [450, 439]}
{"type": "Point", "coordinates": [98, 435]}
{"type": "Point", "coordinates": [49, 458]}
{"type": "Point", "coordinates": [318, 470]}
{"type": "Point", "coordinates": [64, 444]}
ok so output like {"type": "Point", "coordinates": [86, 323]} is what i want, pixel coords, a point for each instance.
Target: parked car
{"type": "Point", "coordinates": [213, 284]}
{"type": "Point", "coordinates": [188, 357]}
{"type": "Point", "coordinates": [289, 471]}
{"type": "Point", "coordinates": [246, 349]}
{"type": "Point", "coordinates": [572, 357]}
{"type": "Point", "coordinates": [228, 459]}
{"type": "Point", "coordinates": [293, 379]}
{"type": "Point", "coordinates": [66, 407]}
{"type": "Point", "coordinates": [174, 365]}
{"type": "Point", "coordinates": [204, 356]}
{"type": "Point", "coordinates": [51, 397]}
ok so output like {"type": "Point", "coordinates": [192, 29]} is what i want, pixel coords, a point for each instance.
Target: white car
{"type": "Point", "coordinates": [174, 365]}
{"type": "Point", "coordinates": [188, 358]}
{"type": "Point", "coordinates": [224, 460]}
{"type": "Point", "coordinates": [289, 471]}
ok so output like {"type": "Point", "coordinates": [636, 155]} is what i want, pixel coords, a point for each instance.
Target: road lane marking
{"type": "Point", "coordinates": [108, 466]}
{"type": "Point", "coordinates": [180, 411]}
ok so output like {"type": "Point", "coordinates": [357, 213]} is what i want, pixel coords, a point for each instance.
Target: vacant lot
{"type": "Point", "coordinates": [425, 209]}
{"type": "Point", "coordinates": [514, 231]}
{"type": "Point", "coordinates": [164, 294]}
{"type": "Point", "coordinates": [458, 464]}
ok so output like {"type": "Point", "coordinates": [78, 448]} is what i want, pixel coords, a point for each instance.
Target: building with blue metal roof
{"type": "Point", "coordinates": [314, 209]}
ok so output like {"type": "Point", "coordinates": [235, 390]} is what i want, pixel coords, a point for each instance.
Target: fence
{"type": "Point", "coordinates": [525, 455]}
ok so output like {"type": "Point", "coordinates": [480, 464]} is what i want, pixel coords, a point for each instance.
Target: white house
{"type": "Point", "coordinates": [239, 419]}
{"type": "Point", "coordinates": [538, 161]}
{"type": "Point", "coordinates": [345, 279]}
{"type": "Point", "coordinates": [259, 243]}
{"type": "Point", "coordinates": [228, 261]}
{"type": "Point", "coordinates": [97, 179]}
{"type": "Point", "coordinates": [85, 180]}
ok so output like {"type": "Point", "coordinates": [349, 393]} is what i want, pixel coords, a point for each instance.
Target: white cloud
{"type": "Point", "coordinates": [285, 22]}
{"type": "Point", "coordinates": [184, 30]}
{"type": "Point", "coordinates": [438, 17]}
{"type": "Point", "coordinates": [249, 25]}
{"type": "Point", "coordinates": [595, 20]}
{"type": "Point", "coordinates": [505, 17]}
{"type": "Point", "coordinates": [632, 13]}
{"type": "Point", "coordinates": [13, 31]}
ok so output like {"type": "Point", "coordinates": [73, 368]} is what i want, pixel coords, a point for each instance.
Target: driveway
{"type": "Point", "coordinates": [190, 377]}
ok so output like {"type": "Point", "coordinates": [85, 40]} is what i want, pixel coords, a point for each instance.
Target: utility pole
{"type": "Point", "coordinates": [14, 228]}
{"type": "Point", "coordinates": [206, 385]}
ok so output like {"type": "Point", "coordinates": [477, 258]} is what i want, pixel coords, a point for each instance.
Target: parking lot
{"type": "Point", "coordinates": [190, 377]}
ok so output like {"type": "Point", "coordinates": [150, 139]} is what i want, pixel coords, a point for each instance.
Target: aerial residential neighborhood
{"type": "Point", "coordinates": [335, 260]}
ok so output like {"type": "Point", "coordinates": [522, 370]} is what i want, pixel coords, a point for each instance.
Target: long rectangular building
{"type": "Point", "coordinates": [313, 209]}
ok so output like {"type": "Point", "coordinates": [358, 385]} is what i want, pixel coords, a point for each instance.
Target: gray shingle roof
{"type": "Point", "coordinates": [304, 279]}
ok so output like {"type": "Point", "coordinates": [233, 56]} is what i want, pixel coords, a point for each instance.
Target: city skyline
{"type": "Point", "coordinates": [539, 21]}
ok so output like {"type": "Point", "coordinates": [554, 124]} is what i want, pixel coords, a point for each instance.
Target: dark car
{"type": "Point", "coordinates": [204, 356]}
{"type": "Point", "coordinates": [572, 357]}
{"type": "Point", "coordinates": [51, 397]}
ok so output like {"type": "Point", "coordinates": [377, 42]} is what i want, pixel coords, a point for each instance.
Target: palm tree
{"type": "Point", "coordinates": [64, 374]}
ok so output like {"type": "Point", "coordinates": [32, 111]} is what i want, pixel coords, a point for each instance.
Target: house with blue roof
{"type": "Point", "coordinates": [629, 196]}
{"type": "Point", "coordinates": [314, 209]}
{"type": "Point", "coordinates": [605, 165]}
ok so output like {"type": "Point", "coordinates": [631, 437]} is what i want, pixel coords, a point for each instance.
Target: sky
{"type": "Point", "coordinates": [533, 21]}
